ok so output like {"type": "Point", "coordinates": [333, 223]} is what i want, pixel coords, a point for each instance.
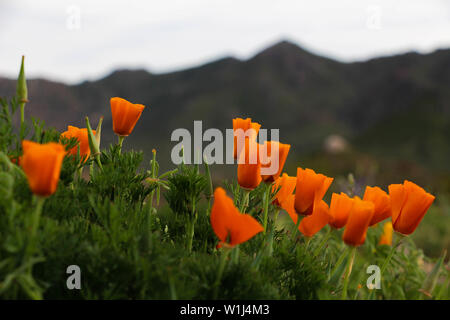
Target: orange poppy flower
{"type": "Point", "coordinates": [310, 187]}
{"type": "Point", "coordinates": [269, 158]}
{"type": "Point", "coordinates": [42, 166]}
{"type": "Point", "coordinates": [231, 226]}
{"type": "Point", "coordinates": [244, 124]}
{"type": "Point", "coordinates": [124, 115]}
{"type": "Point", "coordinates": [313, 223]}
{"type": "Point", "coordinates": [285, 186]}
{"type": "Point", "coordinates": [82, 136]}
{"type": "Point", "coordinates": [386, 237]}
{"type": "Point", "coordinates": [358, 222]}
{"type": "Point", "coordinates": [381, 201]}
{"type": "Point", "coordinates": [340, 207]}
{"type": "Point", "coordinates": [409, 204]}
{"type": "Point", "coordinates": [249, 166]}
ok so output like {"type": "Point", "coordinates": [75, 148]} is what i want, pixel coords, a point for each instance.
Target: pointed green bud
{"type": "Point", "coordinates": [93, 143]}
{"type": "Point", "coordinates": [98, 131]}
{"type": "Point", "coordinates": [22, 91]}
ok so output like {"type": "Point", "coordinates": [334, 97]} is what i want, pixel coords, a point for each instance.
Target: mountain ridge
{"type": "Point", "coordinates": [284, 86]}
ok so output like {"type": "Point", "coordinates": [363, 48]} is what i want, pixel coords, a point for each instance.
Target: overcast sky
{"type": "Point", "coordinates": [76, 40]}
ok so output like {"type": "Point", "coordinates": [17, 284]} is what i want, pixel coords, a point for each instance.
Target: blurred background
{"type": "Point", "coordinates": [359, 87]}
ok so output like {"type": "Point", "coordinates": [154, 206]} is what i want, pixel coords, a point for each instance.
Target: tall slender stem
{"type": "Point", "coordinates": [223, 260]}
{"type": "Point", "coordinates": [386, 261]}
{"type": "Point", "coordinates": [348, 271]}
{"type": "Point", "coordinates": [266, 206]}
{"type": "Point", "coordinates": [121, 138]}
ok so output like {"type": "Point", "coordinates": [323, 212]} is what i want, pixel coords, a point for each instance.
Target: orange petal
{"type": "Point", "coordinates": [381, 201]}
{"type": "Point", "coordinates": [358, 222]}
{"type": "Point", "coordinates": [416, 204]}
{"type": "Point", "coordinates": [340, 208]}
{"type": "Point", "coordinates": [244, 125]}
{"type": "Point", "coordinates": [249, 166]}
{"type": "Point", "coordinates": [285, 186]}
{"type": "Point", "coordinates": [228, 223]}
{"type": "Point", "coordinates": [125, 115]}
{"type": "Point", "coordinates": [320, 217]}
{"type": "Point", "coordinates": [42, 166]}
{"type": "Point", "coordinates": [386, 237]}
{"type": "Point", "coordinates": [309, 188]}
{"type": "Point", "coordinates": [277, 159]}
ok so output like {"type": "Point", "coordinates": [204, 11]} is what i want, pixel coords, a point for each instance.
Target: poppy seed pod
{"type": "Point", "coordinates": [229, 225]}
{"type": "Point", "coordinates": [42, 166]}
{"type": "Point", "coordinates": [124, 115]}
{"type": "Point", "coordinates": [310, 186]}
{"type": "Point", "coordinates": [409, 204]}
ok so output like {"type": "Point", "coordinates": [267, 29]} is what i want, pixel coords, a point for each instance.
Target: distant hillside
{"type": "Point", "coordinates": [397, 106]}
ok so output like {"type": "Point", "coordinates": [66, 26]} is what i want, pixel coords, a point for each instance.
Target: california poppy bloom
{"type": "Point", "coordinates": [42, 166]}
{"type": "Point", "coordinates": [249, 166]}
{"type": "Point", "coordinates": [409, 203]}
{"type": "Point", "coordinates": [340, 207]}
{"type": "Point", "coordinates": [83, 142]}
{"type": "Point", "coordinates": [124, 115]}
{"type": "Point", "coordinates": [231, 226]}
{"type": "Point", "coordinates": [285, 186]}
{"type": "Point", "coordinates": [310, 186]}
{"type": "Point", "coordinates": [244, 124]}
{"type": "Point", "coordinates": [274, 154]}
{"type": "Point", "coordinates": [381, 201]}
{"type": "Point", "coordinates": [313, 223]}
{"type": "Point", "coordinates": [358, 222]}
{"type": "Point", "coordinates": [386, 237]}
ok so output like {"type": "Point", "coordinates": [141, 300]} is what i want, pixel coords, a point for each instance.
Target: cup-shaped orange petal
{"type": "Point", "coordinates": [381, 201]}
{"type": "Point", "coordinates": [409, 204]}
{"type": "Point", "coordinates": [358, 222]}
{"type": "Point", "coordinates": [310, 186]}
{"type": "Point", "coordinates": [313, 223]}
{"type": "Point", "coordinates": [340, 207]}
{"type": "Point", "coordinates": [285, 186]}
{"type": "Point", "coordinates": [231, 226]}
{"type": "Point", "coordinates": [124, 115]}
{"type": "Point", "coordinates": [83, 142]}
{"type": "Point", "coordinates": [42, 166]}
{"type": "Point", "coordinates": [273, 156]}
{"type": "Point", "coordinates": [386, 237]}
{"type": "Point", "coordinates": [249, 129]}
{"type": "Point", "coordinates": [249, 166]}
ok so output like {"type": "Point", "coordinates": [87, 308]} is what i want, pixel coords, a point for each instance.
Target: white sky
{"type": "Point", "coordinates": [167, 35]}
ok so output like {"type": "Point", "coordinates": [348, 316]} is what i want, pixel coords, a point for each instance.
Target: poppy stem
{"type": "Point", "coordinates": [323, 242]}
{"type": "Point", "coordinates": [294, 232]}
{"type": "Point", "coordinates": [245, 200]}
{"type": "Point", "coordinates": [121, 138]}
{"type": "Point", "coordinates": [223, 260]}
{"type": "Point", "coordinates": [387, 260]}
{"type": "Point", "coordinates": [348, 271]}
{"type": "Point", "coordinates": [266, 206]}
